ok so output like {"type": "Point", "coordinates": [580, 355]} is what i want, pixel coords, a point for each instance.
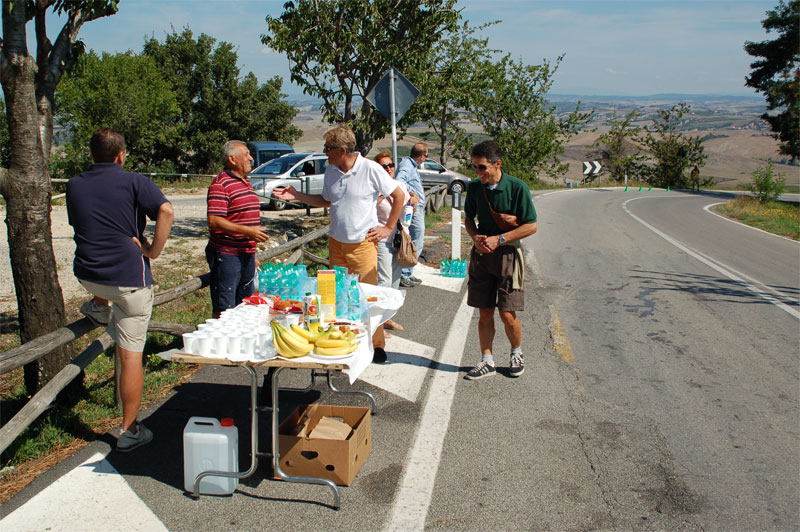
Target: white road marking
{"type": "Point", "coordinates": [530, 258]}
{"type": "Point", "coordinates": [416, 487]}
{"type": "Point", "coordinates": [106, 503]}
{"type": "Point", "coordinates": [431, 278]}
{"type": "Point", "coordinates": [403, 374]}
{"type": "Point", "coordinates": [724, 269]}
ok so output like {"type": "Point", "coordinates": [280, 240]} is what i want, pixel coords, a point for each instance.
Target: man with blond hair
{"type": "Point", "coordinates": [351, 189]}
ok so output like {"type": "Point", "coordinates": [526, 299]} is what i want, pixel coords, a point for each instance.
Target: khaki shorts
{"type": "Point", "coordinates": [130, 313]}
{"type": "Point", "coordinates": [490, 281]}
{"type": "Point", "coordinates": [360, 258]}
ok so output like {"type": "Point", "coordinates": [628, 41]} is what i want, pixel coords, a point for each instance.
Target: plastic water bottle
{"type": "Point", "coordinates": [408, 212]}
{"type": "Point", "coordinates": [353, 302]}
{"type": "Point", "coordinates": [444, 268]}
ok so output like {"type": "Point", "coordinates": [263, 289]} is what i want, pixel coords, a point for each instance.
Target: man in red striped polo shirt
{"type": "Point", "coordinates": [234, 226]}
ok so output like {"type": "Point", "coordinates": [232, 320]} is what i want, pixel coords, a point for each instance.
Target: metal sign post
{"type": "Point", "coordinates": [393, 112]}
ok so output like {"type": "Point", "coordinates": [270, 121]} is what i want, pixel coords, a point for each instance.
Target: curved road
{"type": "Point", "coordinates": [689, 320]}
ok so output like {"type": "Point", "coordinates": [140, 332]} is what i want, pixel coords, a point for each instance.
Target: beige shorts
{"type": "Point", "coordinates": [130, 313]}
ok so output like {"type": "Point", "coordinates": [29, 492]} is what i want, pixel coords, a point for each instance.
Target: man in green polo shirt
{"type": "Point", "coordinates": [497, 267]}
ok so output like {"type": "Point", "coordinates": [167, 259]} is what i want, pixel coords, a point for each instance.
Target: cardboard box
{"type": "Point", "coordinates": [334, 459]}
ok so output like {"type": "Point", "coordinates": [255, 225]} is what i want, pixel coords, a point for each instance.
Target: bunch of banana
{"type": "Point", "coordinates": [334, 342]}
{"type": "Point", "coordinates": [328, 342]}
{"type": "Point", "coordinates": [288, 343]}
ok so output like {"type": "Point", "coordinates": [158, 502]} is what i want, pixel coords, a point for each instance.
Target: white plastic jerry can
{"type": "Point", "coordinates": [210, 445]}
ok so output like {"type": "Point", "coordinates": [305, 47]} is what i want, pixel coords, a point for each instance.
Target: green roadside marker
{"type": "Point", "coordinates": [651, 188]}
{"type": "Point", "coordinates": [626, 188]}
{"type": "Point", "coordinates": [640, 188]}
{"type": "Point", "coordinates": [667, 188]}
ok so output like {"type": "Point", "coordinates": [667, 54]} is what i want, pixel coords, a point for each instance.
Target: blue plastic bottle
{"type": "Point", "coordinates": [353, 302]}
{"type": "Point", "coordinates": [443, 268]}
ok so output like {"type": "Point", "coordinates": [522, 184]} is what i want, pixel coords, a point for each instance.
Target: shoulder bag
{"type": "Point", "coordinates": [504, 222]}
{"type": "Point", "coordinates": [406, 250]}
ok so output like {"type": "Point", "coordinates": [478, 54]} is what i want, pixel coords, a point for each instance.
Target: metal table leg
{"type": "Point", "coordinates": [314, 374]}
{"type": "Point", "coordinates": [276, 457]}
{"type": "Point", "coordinates": [333, 388]}
{"type": "Point", "coordinates": [358, 392]}
{"type": "Point", "coordinates": [253, 440]}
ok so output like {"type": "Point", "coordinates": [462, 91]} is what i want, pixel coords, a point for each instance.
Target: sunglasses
{"type": "Point", "coordinates": [327, 148]}
{"type": "Point", "coordinates": [481, 167]}
{"type": "Point", "coordinates": [387, 166]}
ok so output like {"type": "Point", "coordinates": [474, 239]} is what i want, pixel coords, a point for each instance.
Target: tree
{"type": "Point", "coordinates": [765, 185]}
{"type": "Point", "coordinates": [126, 92]}
{"type": "Point", "coordinates": [671, 150]}
{"type": "Point", "coordinates": [449, 85]}
{"type": "Point", "coordinates": [777, 75]}
{"type": "Point", "coordinates": [618, 148]}
{"type": "Point", "coordinates": [512, 110]}
{"type": "Point", "coordinates": [5, 150]}
{"type": "Point", "coordinates": [338, 51]}
{"type": "Point", "coordinates": [215, 104]}
{"type": "Point", "coordinates": [29, 85]}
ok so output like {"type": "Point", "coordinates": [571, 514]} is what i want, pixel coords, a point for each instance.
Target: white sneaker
{"type": "Point", "coordinates": [128, 441]}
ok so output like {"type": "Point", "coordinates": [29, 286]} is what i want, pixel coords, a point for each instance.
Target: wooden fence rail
{"type": "Point", "coordinates": [39, 402]}
{"type": "Point", "coordinates": [38, 347]}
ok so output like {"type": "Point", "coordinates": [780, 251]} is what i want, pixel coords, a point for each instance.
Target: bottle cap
{"type": "Point", "coordinates": [226, 422]}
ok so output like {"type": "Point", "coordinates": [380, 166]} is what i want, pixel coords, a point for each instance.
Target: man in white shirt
{"type": "Point", "coordinates": [352, 186]}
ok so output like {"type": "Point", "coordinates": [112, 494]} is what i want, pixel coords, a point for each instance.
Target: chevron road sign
{"type": "Point", "coordinates": [591, 168]}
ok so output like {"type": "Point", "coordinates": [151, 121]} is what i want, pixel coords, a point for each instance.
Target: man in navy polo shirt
{"type": "Point", "coordinates": [106, 207]}
{"type": "Point", "coordinates": [234, 226]}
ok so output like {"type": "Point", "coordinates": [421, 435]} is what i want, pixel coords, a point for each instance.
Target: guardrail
{"type": "Point", "coordinates": [38, 347]}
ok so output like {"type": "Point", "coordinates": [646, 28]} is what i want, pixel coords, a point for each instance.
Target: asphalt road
{"type": "Point", "coordinates": [660, 393]}
{"type": "Point", "coordinates": [685, 325]}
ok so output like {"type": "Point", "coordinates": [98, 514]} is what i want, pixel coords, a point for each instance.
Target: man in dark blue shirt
{"type": "Point", "coordinates": [108, 209]}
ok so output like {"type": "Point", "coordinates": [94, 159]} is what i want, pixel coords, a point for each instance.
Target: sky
{"type": "Point", "coordinates": [633, 48]}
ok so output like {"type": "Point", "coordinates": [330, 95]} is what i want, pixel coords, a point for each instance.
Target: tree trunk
{"type": "Point", "coordinates": [443, 138]}
{"type": "Point", "coordinates": [27, 193]}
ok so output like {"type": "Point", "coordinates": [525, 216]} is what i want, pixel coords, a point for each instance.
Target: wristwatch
{"type": "Point", "coordinates": [502, 240]}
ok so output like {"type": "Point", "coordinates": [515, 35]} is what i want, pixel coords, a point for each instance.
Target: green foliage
{"type": "Point", "coordinates": [216, 105]}
{"type": "Point", "coordinates": [450, 84]}
{"type": "Point", "coordinates": [512, 109]}
{"type": "Point", "coordinates": [338, 50]}
{"type": "Point", "coordinates": [777, 74]}
{"type": "Point", "coordinates": [671, 151]}
{"type": "Point", "coordinates": [125, 92]}
{"type": "Point", "coordinates": [618, 149]}
{"type": "Point", "coordinates": [765, 185]}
